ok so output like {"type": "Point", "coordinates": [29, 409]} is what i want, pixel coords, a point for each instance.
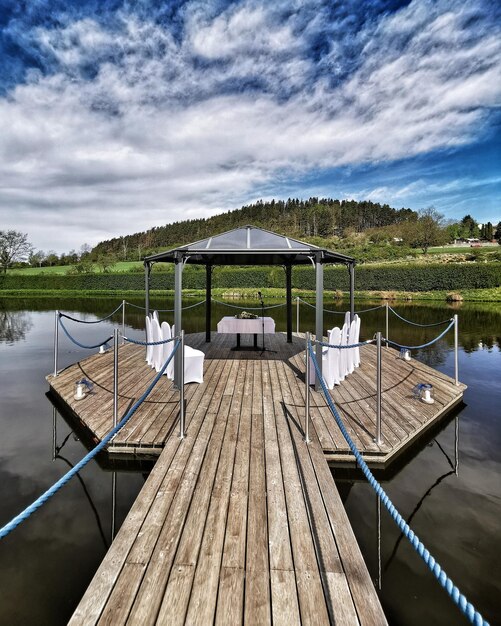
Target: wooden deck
{"type": "Point", "coordinates": [404, 418]}
{"type": "Point", "coordinates": [240, 522]}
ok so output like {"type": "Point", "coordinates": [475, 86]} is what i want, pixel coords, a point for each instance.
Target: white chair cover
{"type": "Point", "coordinates": [357, 339]}
{"type": "Point", "coordinates": [350, 357]}
{"type": "Point", "coordinates": [166, 347]}
{"type": "Point", "coordinates": [157, 350]}
{"type": "Point", "coordinates": [193, 363]}
{"type": "Point", "coordinates": [343, 370]}
{"type": "Point", "coordinates": [149, 349]}
{"type": "Point", "coordinates": [330, 360]}
{"type": "Point", "coordinates": [347, 318]}
{"type": "Point", "coordinates": [154, 316]}
{"type": "Point", "coordinates": [333, 357]}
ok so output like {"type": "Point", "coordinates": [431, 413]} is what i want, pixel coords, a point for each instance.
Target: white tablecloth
{"type": "Point", "coordinates": [234, 326]}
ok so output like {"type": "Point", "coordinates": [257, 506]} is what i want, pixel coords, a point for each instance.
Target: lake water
{"type": "Point", "coordinates": [449, 487]}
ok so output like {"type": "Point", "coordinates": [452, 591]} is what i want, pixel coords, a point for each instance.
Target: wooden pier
{"type": "Point", "coordinates": [241, 521]}
{"type": "Point", "coordinates": [404, 418]}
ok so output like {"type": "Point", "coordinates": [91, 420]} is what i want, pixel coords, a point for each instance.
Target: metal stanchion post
{"type": "Point", "coordinates": [387, 332]}
{"type": "Point", "coordinates": [456, 346]}
{"type": "Point", "coordinates": [181, 389]}
{"type": "Point", "coordinates": [115, 377]}
{"type": "Point", "coordinates": [123, 322]}
{"type": "Point", "coordinates": [54, 433]}
{"type": "Point", "coordinates": [113, 504]}
{"type": "Point", "coordinates": [379, 440]}
{"type": "Point", "coordinates": [56, 340]}
{"type": "Point", "coordinates": [307, 392]}
{"type": "Point", "coordinates": [297, 315]}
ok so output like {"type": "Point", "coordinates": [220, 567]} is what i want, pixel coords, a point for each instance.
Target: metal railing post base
{"type": "Point", "coordinates": [378, 439]}
{"type": "Point", "coordinates": [307, 392]}
{"type": "Point", "coordinates": [181, 390]}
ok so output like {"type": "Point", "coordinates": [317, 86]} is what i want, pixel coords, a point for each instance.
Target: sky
{"type": "Point", "coordinates": [117, 116]}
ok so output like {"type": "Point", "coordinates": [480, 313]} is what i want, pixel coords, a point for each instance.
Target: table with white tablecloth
{"type": "Point", "coordinates": [235, 326]}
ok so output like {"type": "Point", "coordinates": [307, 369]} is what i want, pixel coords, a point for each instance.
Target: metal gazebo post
{"type": "Point", "coordinates": [351, 268]}
{"type": "Point", "coordinates": [178, 315]}
{"type": "Point", "coordinates": [147, 270]}
{"type": "Point", "coordinates": [319, 313]}
{"type": "Point", "coordinates": [208, 300]}
{"type": "Point", "coordinates": [288, 292]}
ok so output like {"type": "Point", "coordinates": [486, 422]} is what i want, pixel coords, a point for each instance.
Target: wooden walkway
{"type": "Point", "coordinates": [403, 418]}
{"type": "Point", "coordinates": [240, 522]}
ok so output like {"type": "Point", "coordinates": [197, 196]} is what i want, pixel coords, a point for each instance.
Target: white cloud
{"type": "Point", "coordinates": [165, 127]}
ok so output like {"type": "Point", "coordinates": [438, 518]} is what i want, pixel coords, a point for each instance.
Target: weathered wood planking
{"type": "Point", "coordinates": [239, 523]}
{"type": "Point", "coordinates": [403, 417]}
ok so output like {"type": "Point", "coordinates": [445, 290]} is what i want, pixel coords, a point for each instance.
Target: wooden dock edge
{"type": "Point", "coordinates": [346, 460]}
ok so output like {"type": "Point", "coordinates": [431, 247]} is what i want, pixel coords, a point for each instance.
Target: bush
{"type": "Point", "coordinates": [395, 277]}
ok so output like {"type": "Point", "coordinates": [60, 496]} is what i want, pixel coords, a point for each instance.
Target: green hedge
{"type": "Point", "coordinates": [401, 277]}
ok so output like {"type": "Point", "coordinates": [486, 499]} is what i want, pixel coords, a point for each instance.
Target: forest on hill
{"type": "Point", "coordinates": [303, 219]}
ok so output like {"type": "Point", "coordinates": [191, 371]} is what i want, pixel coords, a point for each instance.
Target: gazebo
{"type": "Point", "coordinates": [250, 245]}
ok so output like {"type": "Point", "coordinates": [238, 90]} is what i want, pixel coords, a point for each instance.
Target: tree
{"type": "Point", "coordinates": [106, 261]}
{"type": "Point", "coordinates": [52, 258]}
{"type": "Point", "coordinates": [85, 250]}
{"type": "Point", "coordinates": [36, 258]}
{"type": "Point", "coordinates": [426, 231]}
{"type": "Point", "coordinates": [497, 234]}
{"type": "Point", "coordinates": [14, 248]}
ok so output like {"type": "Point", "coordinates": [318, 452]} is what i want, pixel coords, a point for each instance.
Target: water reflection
{"type": "Point", "coordinates": [14, 325]}
{"type": "Point", "coordinates": [454, 470]}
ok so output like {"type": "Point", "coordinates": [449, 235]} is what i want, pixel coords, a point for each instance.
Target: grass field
{"type": "Point", "coordinates": [121, 266]}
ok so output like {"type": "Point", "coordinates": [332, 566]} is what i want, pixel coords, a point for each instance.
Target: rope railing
{"type": "Point", "coordinates": [374, 308]}
{"type": "Point", "coordinates": [149, 343]}
{"type": "Point", "coordinates": [103, 319]}
{"type": "Point", "coordinates": [250, 308]}
{"type": "Point", "coordinates": [415, 323]}
{"type": "Point", "coordinates": [345, 347]}
{"type": "Point", "coordinates": [34, 506]}
{"type": "Point", "coordinates": [184, 308]}
{"type": "Point", "coordinates": [424, 345]}
{"type": "Point", "coordinates": [454, 593]}
{"type": "Point", "coordinates": [77, 343]}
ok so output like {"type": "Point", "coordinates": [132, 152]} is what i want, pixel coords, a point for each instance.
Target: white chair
{"type": "Point", "coordinates": [330, 360]}
{"type": "Point", "coordinates": [357, 339]}
{"type": "Point", "coordinates": [156, 335]}
{"type": "Point", "coordinates": [166, 347]}
{"type": "Point", "coordinates": [154, 316]}
{"type": "Point", "coordinates": [347, 318]}
{"type": "Point", "coordinates": [343, 369]}
{"type": "Point", "coordinates": [149, 349]}
{"type": "Point", "coordinates": [193, 363]}
{"type": "Point", "coordinates": [350, 357]}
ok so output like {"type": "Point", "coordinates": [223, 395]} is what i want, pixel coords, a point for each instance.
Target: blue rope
{"type": "Point", "coordinates": [191, 306]}
{"type": "Point", "coordinates": [28, 511]}
{"type": "Point", "coordinates": [457, 597]}
{"type": "Point", "coordinates": [250, 308]}
{"type": "Point", "coordinates": [149, 343]}
{"type": "Point", "coordinates": [81, 345]}
{"type": "Point", "coordinates": [353, 345]}
{"type": "Point", "coordinates": [424, 345]}
{"type": "Point", "coordinates": [103, 319]}
{"type": "Point", "coordinates": [415, 323]}
{"type": "Point", "coordinates": [380, 306]}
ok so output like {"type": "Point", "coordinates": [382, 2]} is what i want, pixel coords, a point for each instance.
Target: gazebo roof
{"type": "Point", "coordinates": [250, 245]}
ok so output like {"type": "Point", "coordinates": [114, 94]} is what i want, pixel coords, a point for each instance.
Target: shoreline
{"type": "Point", "coordinates": [466, 295]}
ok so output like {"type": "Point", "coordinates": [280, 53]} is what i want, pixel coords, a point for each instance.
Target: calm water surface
{"type": "Point", "coordinates": [449, 487]}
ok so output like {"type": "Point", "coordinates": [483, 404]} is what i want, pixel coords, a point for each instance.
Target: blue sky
{"type": "Point", "coordinates": [118, 116]}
